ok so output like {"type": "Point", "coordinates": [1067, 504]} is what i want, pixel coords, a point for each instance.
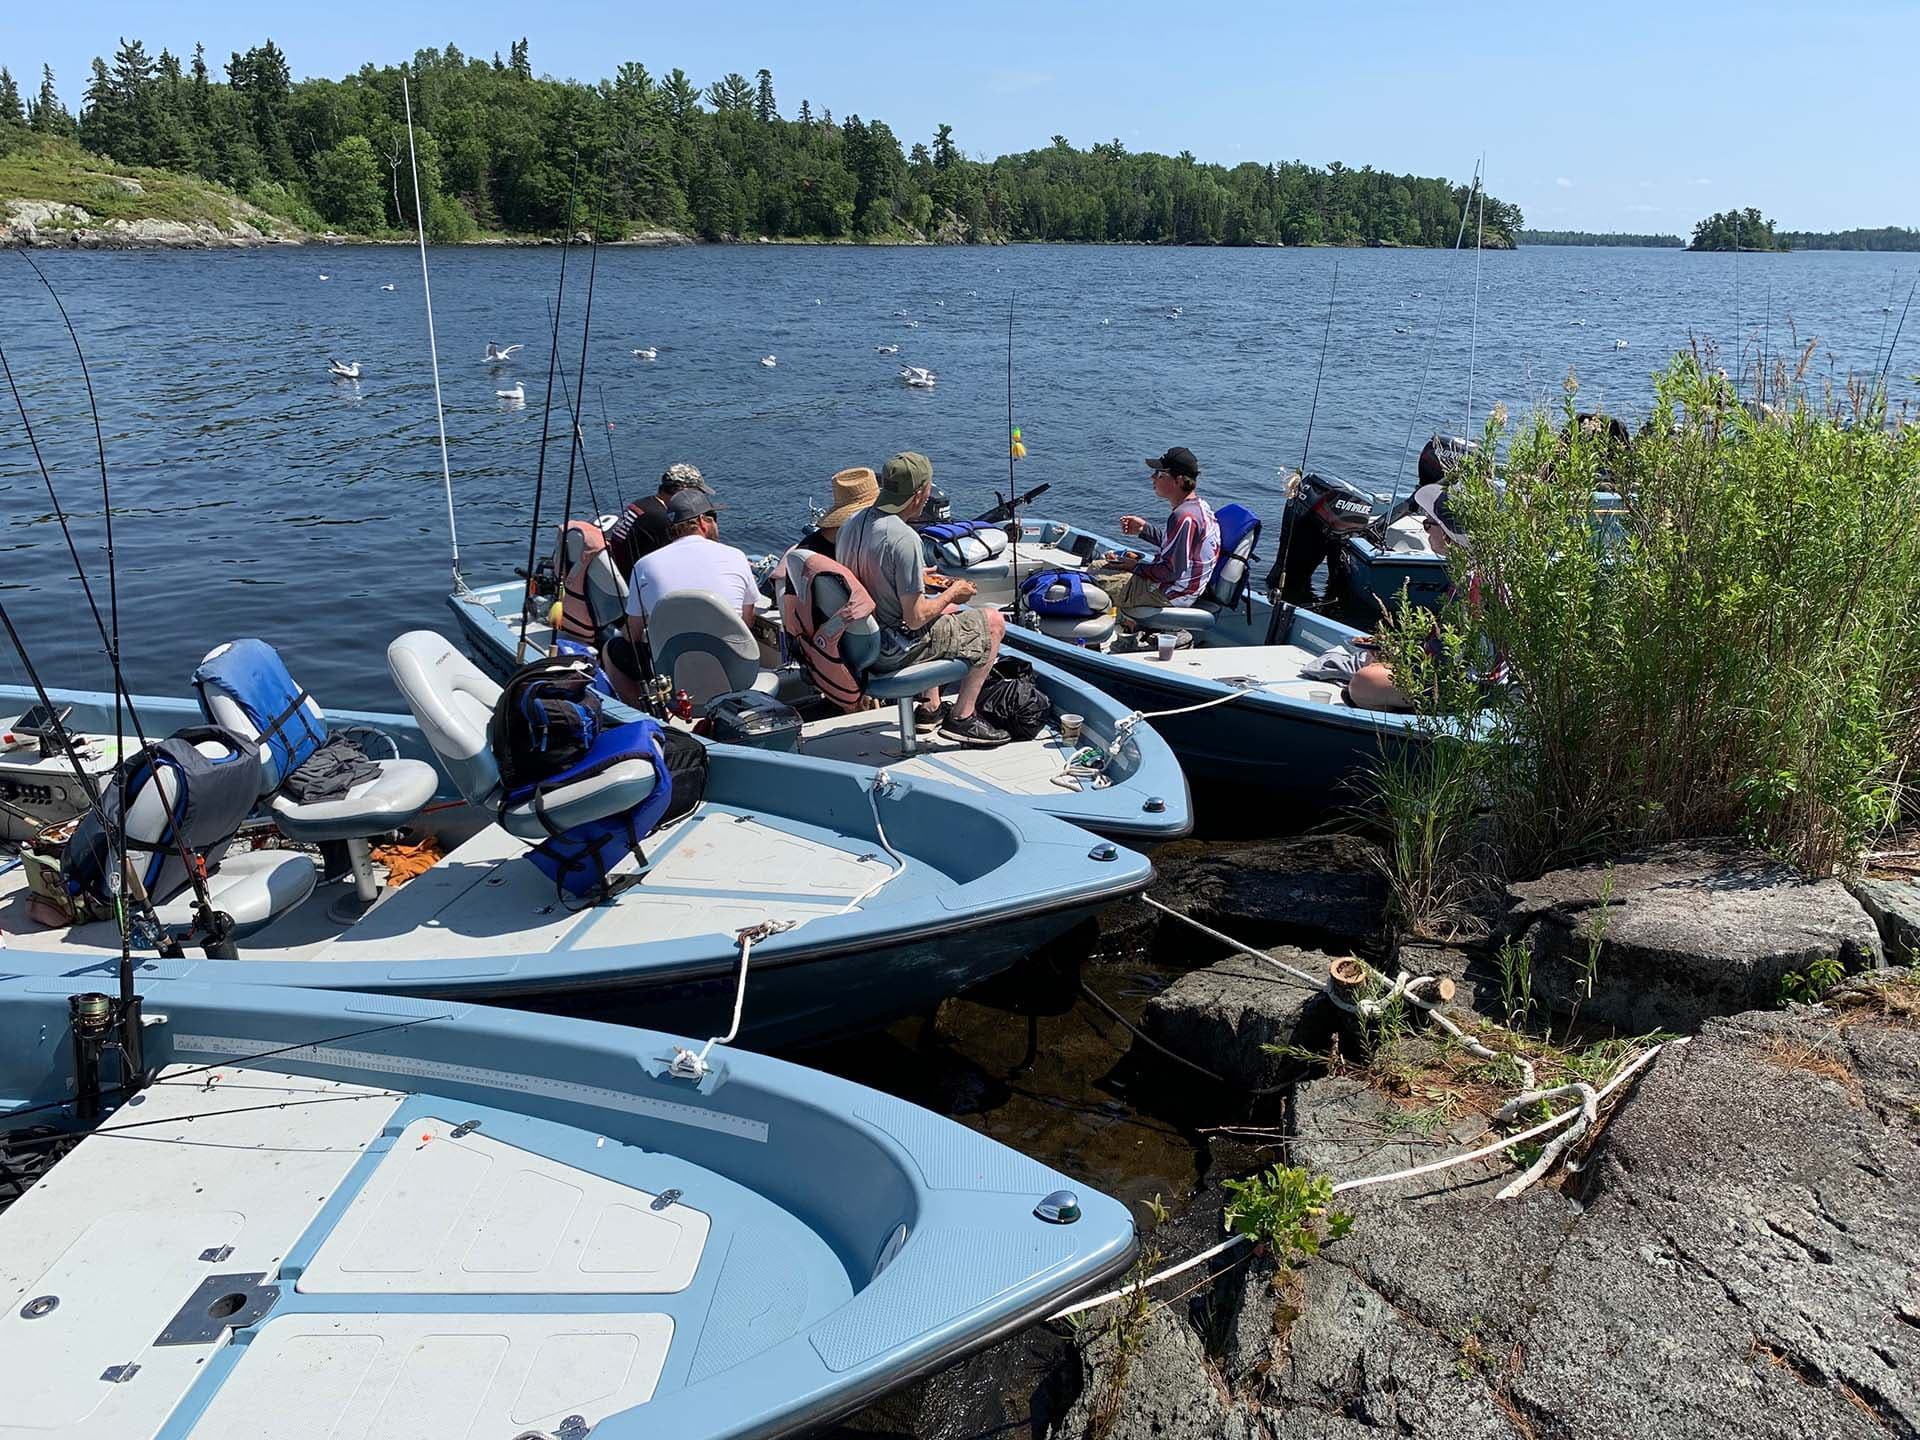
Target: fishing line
{"type": "Point", "coordinates": [1013, 518]}
{"type": "Point", "coordinates": [1321, 369]}
{"type": "Point", "coordinates": [1473, 334]}
{"type": "Point", "coordinates": [433, 346]}
{"type": "Point", "coordinates": [1426, 362]}
{"type": "Point", "coordinates": [573, 413]}
{"type": "Point", "coordinates": [612, 460]}
{"type": "Point", "coordinates": [578, 442]}
{"type": "Point", "coordinates": [546, 414]}
{"type": "Point", "coordinates": [216, 927]}
{"type": "Point", "coordinates": [1887, 364]}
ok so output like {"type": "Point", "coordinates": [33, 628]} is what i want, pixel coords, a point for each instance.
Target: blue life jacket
{"type": "Point", "coordinates": [945, 539]}
{"type": "Point", "coordinates": [1239, 533]}
{"type": "Point", "coordinates": [252, 675]}
{"type": "Point", "coordinates": [1074, 605]}
{"type": "Point", "coordinates": [580, 859]}
{"type": "Point", "coordinates": [567, 645]}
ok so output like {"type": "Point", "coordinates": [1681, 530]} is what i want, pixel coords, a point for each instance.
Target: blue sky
{"type": "Point", "coordinates": [1629, 116]}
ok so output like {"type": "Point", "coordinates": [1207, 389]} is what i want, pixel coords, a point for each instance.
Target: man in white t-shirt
{"type": "Point", "coordinates": [692, 559]}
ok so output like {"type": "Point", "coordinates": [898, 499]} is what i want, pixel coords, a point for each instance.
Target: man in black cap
{"type": "Point", "coordinates": [1188, 545]}
{"type": "Point", "coordinates": [882, 549]}
{"type": "Point", "coordinates": [642, 526]}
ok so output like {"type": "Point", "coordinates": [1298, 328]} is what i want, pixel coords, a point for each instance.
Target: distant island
{"type": "Point", "coordinates": [1887, 237]}
{"type": "Point", "coordinates": [1735, 230]}
{"type": "Point", "coordinates": [1598, 237]}
{"type": "Point", "coordinates": [503, 153]}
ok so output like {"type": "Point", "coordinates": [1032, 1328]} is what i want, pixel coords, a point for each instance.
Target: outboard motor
{"type": "Point", "coordinates": [1322, 512]}
{"type": "Point", "coordinates": [1440, 455]}
{"type": "Point", "coordinates": [939, 509]}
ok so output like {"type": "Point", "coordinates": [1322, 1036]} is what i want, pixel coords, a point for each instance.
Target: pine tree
{"type": "Point", "coordinates": [764, 110]}
{"type": "Point", "coordinates": [806, 113]}
{"type": "Point", "coordinates": [12, 116]}
{"type": "Point", "coordinates": [517, 59]}
{"type": "Point", "coordinates": [47, 116]}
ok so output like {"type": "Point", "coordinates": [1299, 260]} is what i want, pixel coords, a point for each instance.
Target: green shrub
{"type": "Point", "coordinates": [1288, 1210]}
{"type": "Point", "coordinates": [1734, 652]}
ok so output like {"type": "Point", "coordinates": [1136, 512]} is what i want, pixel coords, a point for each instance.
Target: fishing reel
{"type": "Point", "coordinates": [101, 1023]}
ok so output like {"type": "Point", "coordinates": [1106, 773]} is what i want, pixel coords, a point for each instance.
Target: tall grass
{"type": "Point", "coordinates": [1736, 651]}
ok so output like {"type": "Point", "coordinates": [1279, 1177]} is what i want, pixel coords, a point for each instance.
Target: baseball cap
{"type": "Point", "coordinates": [689, 504]}
{"type": "Point", "coordinates": [901, 479]}
{"type": "Point", "coordinates": [682, 476]}
{"type": "Point", "coordinates": [1177, 461]}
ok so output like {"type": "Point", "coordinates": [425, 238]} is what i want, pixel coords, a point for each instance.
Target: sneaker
{"type": "Point", "coordinates": [973, 731]}
{"type": "Point", "coordinates": [925, 719]}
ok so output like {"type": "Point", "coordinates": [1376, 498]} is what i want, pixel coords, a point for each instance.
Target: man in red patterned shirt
{"type": "Point", "coordinates": [1189, 543]}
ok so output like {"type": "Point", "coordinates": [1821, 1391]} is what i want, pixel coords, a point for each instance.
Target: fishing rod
{"type": "Point", "coordinates": [1886, 364]}
{"type": "Point", "coordinates": [1473, 333]}
{"type": "Point", "coordinates": [579, 441]}
{"type": "Point", "coordinates": [540, 473]}
{"type": "Point", "coordinates": [215, 926]}
{"type": "Point", "coordinates": [1282, 614]}
{"type": "Point", "coordinates": [1013, 528]}
{"type": "Point", "coordinates": [433, 347]}
{"type": "Point", "coordinates": [1426, 363]}
{"type": "Point", "coordinates": [573, 413]}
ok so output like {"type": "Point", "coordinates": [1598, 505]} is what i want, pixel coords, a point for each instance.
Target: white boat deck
{"type": "Point", "coordinates": [712, 872]}
{"type": "Point", "coordinates": [872, 737]}
{"type": "Point", "coordinates": [445, 1299]}
{"type": "Point", "coordinates": [1275, 668]}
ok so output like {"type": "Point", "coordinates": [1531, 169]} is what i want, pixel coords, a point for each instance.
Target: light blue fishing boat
{"type": "Point", "coordinates": [798, 898]}
{"type": "Point", "coordinates": [1231, 699]}
{"type": "Point", "coordinates": [329, 1215]}
{"type": "Point", "coordinates": [1132, 789]}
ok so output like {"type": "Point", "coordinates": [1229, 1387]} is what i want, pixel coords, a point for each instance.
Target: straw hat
{"type": "Point", "coordinates": [853, 491]}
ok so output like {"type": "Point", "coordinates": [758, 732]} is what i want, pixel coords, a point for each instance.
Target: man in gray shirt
{"type": "Point", "coordinates": [883, 551]}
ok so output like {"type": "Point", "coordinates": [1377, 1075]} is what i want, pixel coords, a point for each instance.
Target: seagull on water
{"type": "Point", "coordinates": [913, 324]}
{"type": "Point", "coordinates": [768, 361]}
{"type": "Point", "coordinates": [1619, 344]}
{"type": "Point", "coordinates": [517, 394]}
{"type": "Point", "coordinates": [349, 371]}
{"type": "Point", "coordinates": [899, 314]}
{"type": "Point", "coordinates": [646, 353]}
{"type": "Point", "coordinates": [496, 355]}
{"type": "Point", "coordinates": [917, 378]}
{"type": "Point", "coordinates": [886, 349]}
{"type": "Point", "coordinates": [386, 287]}
{"type": "Point", "coordinates": [326, 277]}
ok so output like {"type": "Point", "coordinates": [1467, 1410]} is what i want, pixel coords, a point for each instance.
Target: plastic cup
{"type": "Point", "coordinates": [1320, 697]}
{"type": "Point", "coordinates": [1070, 728]}
{"type": "Point", "coordinates": [1165, 645]}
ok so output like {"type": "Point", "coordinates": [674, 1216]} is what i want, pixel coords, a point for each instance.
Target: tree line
{"type": "Point", "coordinates": [501, 149]}
{"type": "Point", "coordinates": [1598, 237]}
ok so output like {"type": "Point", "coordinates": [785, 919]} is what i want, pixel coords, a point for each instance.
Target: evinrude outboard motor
{"type": "Point", "coordinates": [939, 509]}
{"type": "Point", "coordinates": [1322, 512]}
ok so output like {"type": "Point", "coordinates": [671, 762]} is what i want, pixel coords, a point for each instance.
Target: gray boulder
{"type": "Point", "coordinates": [1737, 1258]}
{"type": "Point", "coordinates": [1894, 906]}
{"type": "Point", "coordinates": [1687, 933]}
{"type": "Point", "coordinates": [1222, 1017]}
{"type": "Point", "coordinates": [1305, 890]}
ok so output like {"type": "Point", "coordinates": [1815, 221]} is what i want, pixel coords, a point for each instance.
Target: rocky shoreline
{"type": "Point", "coordinates": [1732, 1250]}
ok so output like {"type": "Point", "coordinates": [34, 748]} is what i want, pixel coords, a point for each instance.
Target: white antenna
{"type": "Point", "coordinates": [433, 348]}
{"type": "Point", "coordinates": [1473, 342]}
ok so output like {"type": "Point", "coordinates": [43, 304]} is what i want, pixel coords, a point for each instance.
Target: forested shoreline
{"type": "Point", "coordinates": [503, 151]}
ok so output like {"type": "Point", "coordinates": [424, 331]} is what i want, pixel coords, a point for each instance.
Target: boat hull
{"type": "Point", "coordinates": [1147, 804]}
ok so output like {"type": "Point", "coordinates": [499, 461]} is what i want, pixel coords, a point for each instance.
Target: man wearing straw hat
{"type": "Point", "coordinates": [853, 491]}
{"type": "Point", "coordinates": [880, 546]}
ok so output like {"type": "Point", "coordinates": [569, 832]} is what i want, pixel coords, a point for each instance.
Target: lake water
{"type": "Point", "coordinates": [254, 495]}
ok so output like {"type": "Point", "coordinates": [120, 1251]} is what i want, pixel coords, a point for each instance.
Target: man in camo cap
{"type": "Point", "coordinates": [643, 525]}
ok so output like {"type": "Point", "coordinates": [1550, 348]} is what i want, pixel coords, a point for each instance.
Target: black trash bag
{"type": "Point", "coordinates": [1013, 699]}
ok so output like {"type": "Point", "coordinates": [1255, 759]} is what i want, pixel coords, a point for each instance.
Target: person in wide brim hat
{"type": "Point", "coordinates": [854, 490]}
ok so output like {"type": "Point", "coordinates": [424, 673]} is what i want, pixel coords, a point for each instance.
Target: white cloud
{"type": "Point", "coordinates": [1703, 180]}
{"type": "Point", "coordinates": [1563, 182]}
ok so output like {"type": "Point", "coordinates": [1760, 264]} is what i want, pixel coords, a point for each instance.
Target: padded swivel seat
{"type": "Point", "coordinates": [454, 703]}
{"type": "Point", "coordinates": [702, 645]}
{"type": "Point", "coordinates": [1225, 588]}
{"type": "Point", "coordinates": [860, 647]}
{"type": "Point", "coordinates": [252, 887]}
{"type": "Point", "coordinates": [342, 825]}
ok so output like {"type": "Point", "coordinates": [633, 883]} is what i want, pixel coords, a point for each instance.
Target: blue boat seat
{"type": "Point", "coordinates": [703, 646]}
{"type": "Point", "coordinates": [238, 683]}
{"type": "Point", "coordinates": [454, 701]}
{"type": "Point", "coordinates": [1225, 588]}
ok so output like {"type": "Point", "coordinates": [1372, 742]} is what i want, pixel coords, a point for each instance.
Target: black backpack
{"type": "Point", "coordinates": [1013, 699]}
{"type": "Point", "coordinates": [545, 721]}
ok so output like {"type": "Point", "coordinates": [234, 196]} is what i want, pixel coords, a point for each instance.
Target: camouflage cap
{"type": "Point", "coordinates": [682, 476]}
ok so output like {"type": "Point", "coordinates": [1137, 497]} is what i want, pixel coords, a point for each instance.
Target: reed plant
{"type": "Point", "coordinates": [1734, 650]}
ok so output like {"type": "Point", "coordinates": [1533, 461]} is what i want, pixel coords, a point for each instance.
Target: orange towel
{"type": "Point", "coordinates": [403, 862]}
